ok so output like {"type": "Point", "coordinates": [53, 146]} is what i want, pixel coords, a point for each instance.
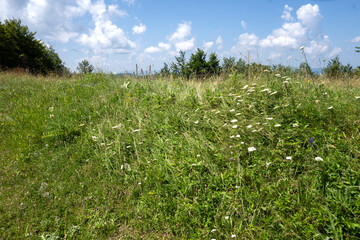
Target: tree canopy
{"type": "Point", "coordinates": [20, 48]}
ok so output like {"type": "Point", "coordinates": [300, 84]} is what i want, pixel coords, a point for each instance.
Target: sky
{"type": "Point", "coordinates": [116, 35]}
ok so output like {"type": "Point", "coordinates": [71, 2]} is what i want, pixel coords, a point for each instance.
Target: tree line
{"type": "Point", "coordinates": [199, 67]}
{"type": "Point", "coordinates": [20, 49]}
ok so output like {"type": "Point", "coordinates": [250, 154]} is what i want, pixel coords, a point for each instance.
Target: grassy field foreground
{"type": "Point", "coordinates": [98, 157]}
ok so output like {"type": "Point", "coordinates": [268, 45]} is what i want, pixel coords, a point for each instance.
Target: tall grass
{"type": "Point", "coordinates": [97, 157]}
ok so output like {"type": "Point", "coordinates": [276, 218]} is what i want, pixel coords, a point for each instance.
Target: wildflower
{"type": "Point", "coordinates": [242, 143]}
{"type": "Point", "coordinates": [231, 159]}
{"type": "Point", "coordinates": [251, 149]}
{"type": "Point", "coordinates": [238, 135]}
{"type": "Point", "coordinates": [51, 109]}
{"type": "Point", "coordinates": [287, 79]}
{"type": "Point", "coordinates": [237, 186]}
{"type": "Point", "coordinates": [217, 112]}
{"type": "Point", "coordinates": [277, 75]}
{"type": "Point", "coordinates": [319, 159]}
{"type": "Point", "coordinates": [137, 130]}
{"type": "Point", "coordinates": [301, 48]}
{"type": "Point", "coordinates": [270, 118]}
{"type": "Point", "coordinates": [198, 155]}
{"type": "Point", "coordinates": [139, 183]}
{"type": "Point", "coordinates": [52, 115]}
{"type": "Point", "coordinates": [232, 110]}
{"type": "Point", "coordinates": [226, 217]}
{"type": "Point", "coordinates": [285, 82]}
{"type": "Point", "coordinates": [237, 114]}
{"type": "Point", "coordinates": [278, 125]}
{"type": "Point", "coordinates": [233, 236]}
{"type": "Point", "coordinates": [249, 126]}
{"type": "Point", "coordinates": [267, 164]}
{"type": "Point", "coordinates": [266, 70]}
{"type": "Point", "coordinates": [288, 158]}
{"type": "Point", "coordinates": [214, 230]}
{"type": "Point", "coordinates": [196, 122]}
{"type": "Point", "coordinates": [232, 136]}
{"type": "Point", "coordinates": [265, 90]}
{"type": "Point", "coordinates": [233, 121]}
{"type": "Point", "coordinates": [98, 208]}
{"type": "Point", "coordinates": [245, 87]}
{"type": "Point", "coordinates": [254, 131]}
{"type": "Point", "coordinates": [331, 107]}
{"type": "Point", "coordinates": [235, 126]}
{"type": "Point", "coordinates": [94, 138]}
{"type": "Point", "coordinates": [273, 93]}
{"type": "Point", "coordinates": [295, 125]}
{"type": "Point", "coordinates": [356, 98]}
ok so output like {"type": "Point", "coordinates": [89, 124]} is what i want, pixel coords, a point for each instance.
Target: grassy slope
{"type": "Point", "coordinates": [100, 157]}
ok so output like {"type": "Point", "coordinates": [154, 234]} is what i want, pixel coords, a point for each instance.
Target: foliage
{"type": "Point", "coordinates": [214, 64]}
{"type": "Point", "coordinates": [197, 64]}
{"type": "Point", "coordinates": [100, 157]}
{"type": "Point", "coordinates": [357, 49]}
{"type": "Point", "coordinates": [336, 69]}
{"type": "Point", "coordinates": [19, 48]}
{"type": "Point", "coordinates": [305, 69]}
{"type": "Point", "coordinates": [85, 67]}
{"type": "Point", "coordinates": [165, 71]}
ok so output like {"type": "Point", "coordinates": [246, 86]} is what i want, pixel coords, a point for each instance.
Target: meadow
{"type": "Point", "coordinates": [103, 157]}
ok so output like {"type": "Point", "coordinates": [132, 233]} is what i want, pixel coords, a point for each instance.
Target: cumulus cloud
{"type": "Point", "coordinates": [105, 36]}
{"type": "Point", "coordinates": [161, 47]}
{"type": "Point", "coordinates": [305, 30]}
{"type": "Point", "coordinates": [152, 49]}
{"type": "Point", "coordinates": [355, 39]}
{"type": "Point", "coordinates": [219, 42]}
{"type": "Point", "coordinates": [310, 17]}
{"type": "Point", "coordinates": [183, 31]}
{"type": "Point", "coordinates": [289, 35]}
{"type": "Point", "coordinates": [185, 45]}
{"type": "Point", "coordinates": [245, 41]}
{"type": "Point", "coordinates": [130, 2]}
{"type": "Point", "coordinates": [287, 13]}
{"type": "Point", "coordinates": [54, 20]}
{"type": "Point", "coordinates": [208, 45]}
{"type": "Point", "coordinates": [139, 29]}
{"type": "Point", "coordinates": [243, 24]}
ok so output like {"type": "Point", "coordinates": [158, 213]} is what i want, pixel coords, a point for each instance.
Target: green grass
{"type": "Point", "coordinates": [99, 157]}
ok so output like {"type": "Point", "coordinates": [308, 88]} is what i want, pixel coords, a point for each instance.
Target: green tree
{"type": "Point", "coordinates": [335, 68]}
{"type": "Point", "coordinates": [197, 63]}
{"type": "Point", "coordinates": [181, 65]}
{"type": "Point", "coordinates": [19, 48]}
{"type": "Point", "coordinates": [85, 67]}
{"type": "Point", "coordinates": [213, 64]}
{"type": "Point", "coordinates": [228, 64]}
{"type": "Point", "coordinates": [165, 71]}
{"type": "Point", "coordinates": [357, 49]}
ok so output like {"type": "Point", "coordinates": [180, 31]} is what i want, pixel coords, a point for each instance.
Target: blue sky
{"type": "Point", "coordinates": [116, 35]}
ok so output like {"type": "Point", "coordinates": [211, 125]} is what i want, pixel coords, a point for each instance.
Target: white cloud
{"type": "Point", "coordinates": [105, 36]}
{"type": "Point", "coordinates": [355, 39]}
{"type": "Point", "coordinates": [164, 46]}
{"type": "Point", "coordinates": [114, 11]}
{"type": "Point", "coordinates": [152, 50]}
{"type": "Point", "coordinates": [185, 45]}
{"type": "Point", "coordinates": [287, 13]}
{"type": "Point", "coordinates": [219, 42]}
{"type": "Point", "coordinates": [161, 47]}
{"type": "Point", "coordinates": [139, 29]}
{"type": "Point", "coordinates": [243, 24]}
{"type": "Point", "coordinates": [245, 41]}
{"type": "Point", "coordinates": [290, 35]}
{"type": "Point", "coordinates": [183, 30]}
{"type": "Point", "coordinates": [310, 17]}
{"type": "Point", "coordinates": [130, 2]}
{"type": "Point", "coordinates": [208, 45]}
